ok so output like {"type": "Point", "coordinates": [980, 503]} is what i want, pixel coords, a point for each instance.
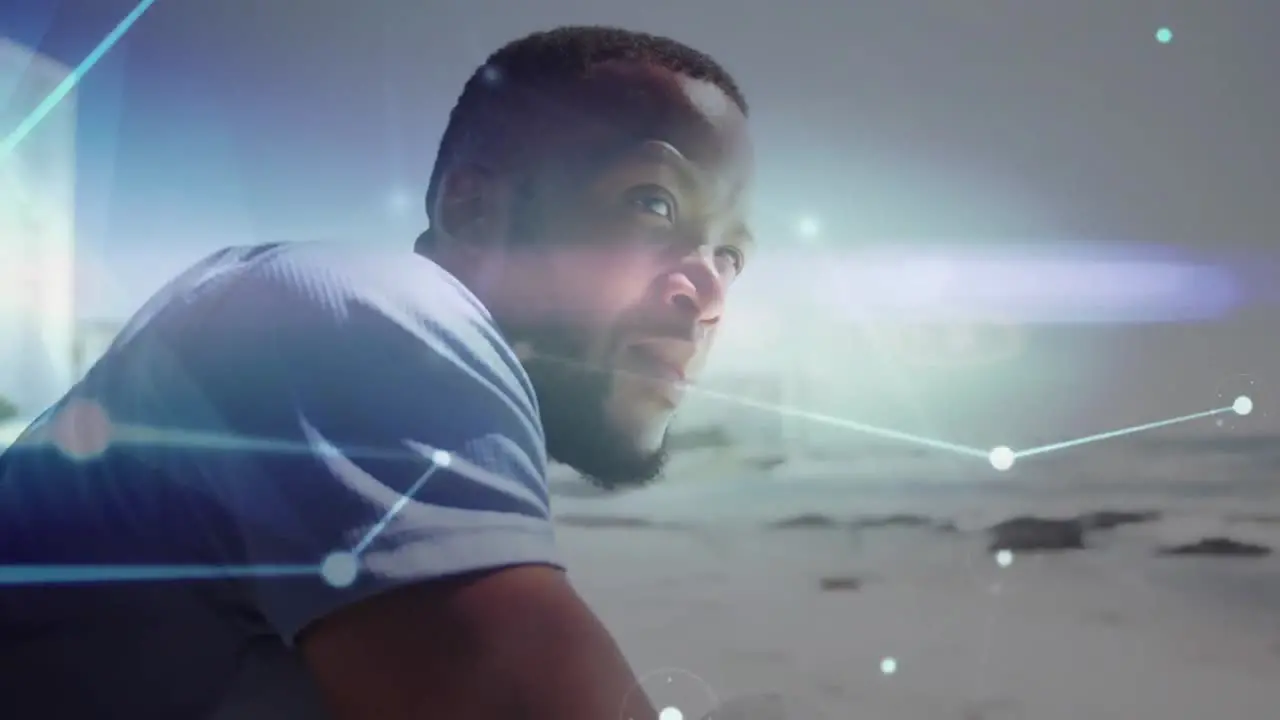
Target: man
{"type": "Point", "coordinates": [309, 481]}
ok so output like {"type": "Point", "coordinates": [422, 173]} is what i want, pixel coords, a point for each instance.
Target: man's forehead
{"type": "Point", "coordinates": [726, 142]}
{"type": "Point", "coordinates": [707, 98]}
{"type": "Point", "coordinates": [632, 103]}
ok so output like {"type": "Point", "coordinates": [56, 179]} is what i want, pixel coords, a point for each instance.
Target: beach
{"type": "Point", "coordinates": [804, 592]}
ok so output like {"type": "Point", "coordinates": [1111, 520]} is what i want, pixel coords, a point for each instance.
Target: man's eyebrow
{"type": "Point", "coordinates": [657, 152]}
{"type": "Point", "coordinates": [692, 178]}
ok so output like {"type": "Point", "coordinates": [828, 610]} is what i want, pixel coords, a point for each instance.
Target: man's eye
{"type": "Point", "coordinates": [654, 201]}
{"type": "Point", "coordinates": [733, 256]}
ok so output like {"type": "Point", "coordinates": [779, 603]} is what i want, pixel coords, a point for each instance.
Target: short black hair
{"type": "Point", "coordinates": [564, 54]}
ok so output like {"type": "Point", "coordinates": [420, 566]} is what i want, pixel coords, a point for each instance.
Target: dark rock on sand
{"type": "Point", "coordinates": [767, 462]}
{"type": "Point", "coordinates": [835, 583]}
{"type": "Point", "coordinates": [605, 521]}
{"type": "Point", "coordinates": [1033, 534]}
{"type": "Point", "coordinates": [1255, 518]}
{"type": "Point", "coordinates": [1218, 546]}
{"type": "Point", "coordinates": [900, 520]}
{"type": "Point", "coordinates": [873, 522]}
{"type": "Point", "coordinates": [807, 520]}
{"type": "Point", "coordinates": [1109, 519]}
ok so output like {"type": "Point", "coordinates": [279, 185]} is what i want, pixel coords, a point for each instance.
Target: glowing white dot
{"type": "Point", "coordinates": [1004, 558]}
{"type": "Point", "coordinates": [670, 713]}
{"type": "Point", "coordinates": [399, 201]}
{"type": "Point", "coordinates": [1243, 405]}
{"type": "Point", "coordinates": [441, 458]}
{"type": "Point", "coordinates": [888, 666]}
{"type": "Point", "coordinates": [1001, 458]}
{"type": "Point", "coordinates": [808, 228]}
{"type": "Point", "coordinates": [491, 74]}
{"type": "Point", "coordinates": [339, 569]}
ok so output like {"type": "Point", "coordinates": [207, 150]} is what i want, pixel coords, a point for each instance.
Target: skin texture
{"type": "Point", "coordinates": [629, 233]}
{"type": "Point", "coordinates": [513, 644]}
{"type": "Point", "coordinates": [605, 255]}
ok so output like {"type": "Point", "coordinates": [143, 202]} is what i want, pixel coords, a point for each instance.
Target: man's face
{"type": "Point", "coordinates": [615, 303]}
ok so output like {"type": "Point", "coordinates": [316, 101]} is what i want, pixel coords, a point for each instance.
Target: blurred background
{"type": "Point", "coordinates": [989, 223]}
{"type": "Point", "coordinates": [982, 223]}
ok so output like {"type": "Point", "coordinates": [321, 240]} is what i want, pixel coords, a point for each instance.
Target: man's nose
{"type": "Point", "coordinates": [695, 286]}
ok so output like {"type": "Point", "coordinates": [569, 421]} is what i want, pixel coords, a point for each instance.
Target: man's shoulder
{"type": "Point", "coordinates": [392, 280]}
{"type": "Point", "coordinates": [330, 273]}
{"type": "Point", "coordinates": [321, 288]}
{"type": "Point", "coordinates": [321, 304]}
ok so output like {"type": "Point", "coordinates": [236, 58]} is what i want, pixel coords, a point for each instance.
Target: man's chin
{"type": "Point", "coordinates": [617, 469]}
{"type": "Point", "coordinates": [585, 431]}
{"type": "Point", "coordinates": [604, 455]}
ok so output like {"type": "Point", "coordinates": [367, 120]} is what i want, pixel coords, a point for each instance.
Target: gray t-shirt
{"type": "Point", "coordinates": [281, 431]}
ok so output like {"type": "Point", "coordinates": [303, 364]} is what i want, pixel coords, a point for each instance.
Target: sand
{"type": "Point", "coordinates": [919, 621]}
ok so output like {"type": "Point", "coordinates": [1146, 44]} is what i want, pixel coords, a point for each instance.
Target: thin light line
{"type": "Point", "coordinates": [1118, 433]}
{"type": "Point", "coordinates": [77, 574]}
{"type": "Point", "coordinates": [69, 83]}
{"type": "Point", "coordinates": [397, 507]}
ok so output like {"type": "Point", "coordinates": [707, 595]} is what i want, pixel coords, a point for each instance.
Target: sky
{"type": "Point", "coordinates": [1044, 173]}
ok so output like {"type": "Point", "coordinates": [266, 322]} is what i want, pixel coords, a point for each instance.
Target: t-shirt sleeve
{"type": "Point", "coordinates": [360, 437]}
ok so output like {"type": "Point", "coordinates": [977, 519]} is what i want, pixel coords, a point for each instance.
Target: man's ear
{"type": "Point", "coordinates": [472, 210]}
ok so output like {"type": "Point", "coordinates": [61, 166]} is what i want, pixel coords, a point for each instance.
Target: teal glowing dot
{"type": "Point", "coordinates": [1004, 558]}
{"type": "Point", "coordinates": [671, 713]}
{"type": "Point", "coordinates": [1164, 35]}
{"type": "Point", "coordinates": [888, 666]}
{"type": "Point", "coordinates": [1243, 405]}
{"type": "Point", "coordinates": [339, 569]}
{"type": "Point", "coordinates": [441, 458]}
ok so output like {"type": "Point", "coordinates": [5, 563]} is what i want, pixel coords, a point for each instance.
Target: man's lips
{"type": "Point", "coordinates": [663, 360]}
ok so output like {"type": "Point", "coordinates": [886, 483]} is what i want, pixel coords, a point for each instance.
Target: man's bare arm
{"type": "Point", "coordinates": [509, 644]}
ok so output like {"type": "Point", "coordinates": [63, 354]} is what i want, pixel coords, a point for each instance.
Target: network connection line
{"type": "Point", "coordinates": [81, 574]}
{"type": "Point", "coordinates": [1001, 457]}
{"type": "Point", "coordinates": [338, 569]}
{"type": "Point", "coordinates": [844, 423]}
{"type": "Point", "coordinates": [341, 568]}
{"type": "Point", "coordinates": [858, 427]}
{"type": "Point", "coordinates": [439, 459]}
{"type": "Point", "coordinates": [1124, 431]}
{"type": "Point", "coordinates": [64, 88]}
